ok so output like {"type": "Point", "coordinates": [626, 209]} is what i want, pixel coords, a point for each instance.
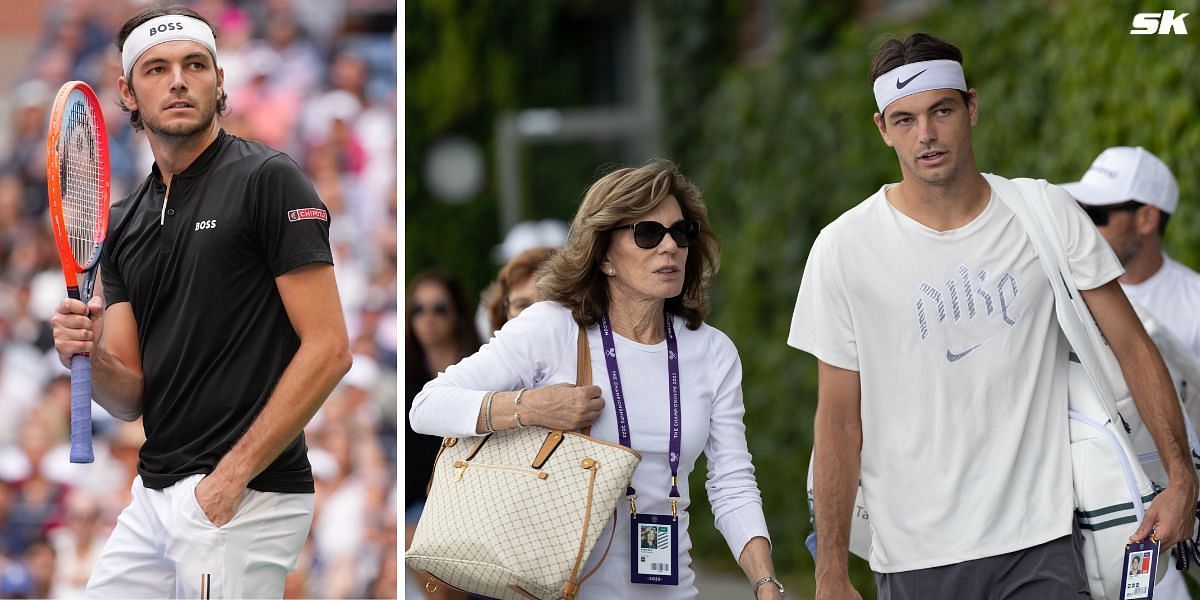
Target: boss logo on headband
{"type": "Point", "coordinates": [165, 27]}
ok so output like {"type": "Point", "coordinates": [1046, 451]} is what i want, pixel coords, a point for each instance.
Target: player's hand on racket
{"type": "Point", "coordinates": [77, 327]}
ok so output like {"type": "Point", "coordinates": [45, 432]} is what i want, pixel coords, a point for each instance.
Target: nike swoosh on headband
{"type": "Point", "coordinates": [900, 85]}
{"type": "Point", "coordinates": [952, 357]}
{"type": "Point", "coordinates": [933, 75]}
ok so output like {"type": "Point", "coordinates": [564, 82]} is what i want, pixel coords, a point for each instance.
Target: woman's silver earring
{"type": "Point", "coordinates": [612, 271]}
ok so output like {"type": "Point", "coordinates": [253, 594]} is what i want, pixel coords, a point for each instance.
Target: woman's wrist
{"type": "Point", "coordinates": [500, 412]}
{"type": "Point", "coordinates": [768, 587]}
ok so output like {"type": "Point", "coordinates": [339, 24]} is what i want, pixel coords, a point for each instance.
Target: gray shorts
{"type": "Point", "coordinates": [1044, 572]}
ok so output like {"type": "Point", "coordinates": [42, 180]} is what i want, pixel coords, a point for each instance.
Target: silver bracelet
{"type": "Point", "coordinates": [765, 580]}
{"type": "Point", "coordinates": [487, 412]}
{"type": "Point", "coordinates": [516, 407]}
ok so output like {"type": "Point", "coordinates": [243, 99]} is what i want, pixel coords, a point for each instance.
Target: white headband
{"type": "Point", "coordinates": [167, 28]}
{"type": "Point", "coordinates": [918, 77]}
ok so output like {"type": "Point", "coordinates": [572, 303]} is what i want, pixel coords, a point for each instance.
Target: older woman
{"type": "Point", "coordinates": [635, 273]}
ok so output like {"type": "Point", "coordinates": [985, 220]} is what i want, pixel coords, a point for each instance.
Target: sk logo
{"type": "Point", "coordinates": [1151, 23]}
{"type": "Point", "coordinates": [671, 355]}
{"type": "Point", "coordinates": [611, 352]}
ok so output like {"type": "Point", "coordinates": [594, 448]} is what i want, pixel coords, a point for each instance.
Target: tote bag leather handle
{"type": "Point", "coordinates": [583, 377]}
{"type": "Point", "coordinates": [583, 367]}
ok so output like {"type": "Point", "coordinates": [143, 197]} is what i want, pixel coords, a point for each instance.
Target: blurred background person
{"type": "Point", "coordinates": [438, 333]}
{"type": "Point", "coordinates": [526, 235]}
{"type": "Point", "coordinates": [1131, 194]}
{"type": "Point", "coordinates": [515, 288]}
{"type": "Point", "coordinates": [39, 563]}
{"type": "Point", "coordinates": [77, 545]}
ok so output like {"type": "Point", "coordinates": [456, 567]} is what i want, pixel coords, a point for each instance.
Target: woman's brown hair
{"type": "Point", "coordinates": [520, 268]}
{"type": "Point", "coordinates": [572, 276]}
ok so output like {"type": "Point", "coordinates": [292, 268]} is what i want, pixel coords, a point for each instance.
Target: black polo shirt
{"type": "Point", "coordinates": [200, 276]}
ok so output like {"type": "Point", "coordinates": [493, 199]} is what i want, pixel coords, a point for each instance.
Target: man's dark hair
{"type": "Point", "coordinates": [918, 47]}
{"type": "Point", "coordinates": [1163, 217]}
{"type": "Point", "coordinates": [135, 118]}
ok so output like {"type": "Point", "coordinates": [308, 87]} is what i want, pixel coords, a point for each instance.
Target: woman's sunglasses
{"type": "Point", "coordinates": [649, 234]}
{"type": "Point", "coordinates": [438, 308]}
{"type": "Point", "coordinates": [1100, 214]}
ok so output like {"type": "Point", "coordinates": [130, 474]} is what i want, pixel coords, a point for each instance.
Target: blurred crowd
{"type": "Point", "coordinates": [313, 78]}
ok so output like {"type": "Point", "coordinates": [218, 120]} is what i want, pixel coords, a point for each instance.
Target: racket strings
{"type": "Point", "coordinates": [80, 180]}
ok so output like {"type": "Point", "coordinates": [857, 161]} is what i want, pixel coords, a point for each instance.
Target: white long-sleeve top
{"type": "Point", "coordinates": [538, 348]}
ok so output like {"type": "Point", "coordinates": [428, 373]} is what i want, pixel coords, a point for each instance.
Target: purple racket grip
{"type": "Point", "coordinates": [81, 409]}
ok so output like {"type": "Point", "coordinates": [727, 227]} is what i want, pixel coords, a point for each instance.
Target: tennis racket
{"type": "Point", "coordinates": [77, 179]}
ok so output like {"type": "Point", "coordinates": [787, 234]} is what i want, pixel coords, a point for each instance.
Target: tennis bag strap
{"type": "Point", "coordinates": [1027, 199]}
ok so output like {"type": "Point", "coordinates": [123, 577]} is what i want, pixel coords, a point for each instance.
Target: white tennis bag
{"type": "Point", "coordinates": [1185, 374]}
{"type": "Point", "coordinates": [1111, 486]}
{"type": "Point", "coordinates": [1112, 489]}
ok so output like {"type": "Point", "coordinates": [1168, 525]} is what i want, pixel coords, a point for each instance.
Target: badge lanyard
{"type": "Point", "coordinates": [657, 529]}
{"type": "Point", "coordinates": [1139, 569]}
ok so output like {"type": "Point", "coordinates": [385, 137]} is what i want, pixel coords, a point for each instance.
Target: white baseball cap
{"type": "Point", "coordinates": [1123, 173]}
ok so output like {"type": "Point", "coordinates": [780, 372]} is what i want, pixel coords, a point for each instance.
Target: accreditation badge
{"type": "Point", "coordinates": [1141, 562]}
{"type": "Point", "coordinates": [653, 544]}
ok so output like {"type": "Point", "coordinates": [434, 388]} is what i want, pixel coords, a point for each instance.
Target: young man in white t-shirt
{"type": "Point", "coordinates": [1130, 194]}
{"type": "Point", "coordinates": [942, 370]}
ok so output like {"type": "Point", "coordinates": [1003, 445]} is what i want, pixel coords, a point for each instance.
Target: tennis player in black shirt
{"type": "Point", "coordinates": [220, 326]}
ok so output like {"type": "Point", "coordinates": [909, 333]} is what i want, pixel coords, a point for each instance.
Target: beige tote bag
{"type": "Point", "coordinates": [515, 514]}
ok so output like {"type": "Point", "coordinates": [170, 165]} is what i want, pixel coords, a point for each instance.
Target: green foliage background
{"type": "Point", "coordinates": [781, 147]}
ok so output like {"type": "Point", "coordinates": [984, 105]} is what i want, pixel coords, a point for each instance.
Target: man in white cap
{"type": "Point", "coordinates": [220, 327]}
{"type": "Point", "coordinates": [942, 371]}
{"type": "Point", "coordinates": [1130, 195]}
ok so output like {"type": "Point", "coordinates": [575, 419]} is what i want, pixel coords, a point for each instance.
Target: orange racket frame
{"type": "Point", "coordinates": [80, 278]}
{"type": "Point", "coordinates": [71, 267]}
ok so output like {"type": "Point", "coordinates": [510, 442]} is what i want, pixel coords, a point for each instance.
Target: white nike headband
{"type": "Point", "coordinates": [918, 77]}
{"type": "Point", "coordinates": [167, 28]}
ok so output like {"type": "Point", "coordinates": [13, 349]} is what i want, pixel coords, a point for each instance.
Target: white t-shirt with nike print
{"type": "Point", "coordinates": [963, 374]}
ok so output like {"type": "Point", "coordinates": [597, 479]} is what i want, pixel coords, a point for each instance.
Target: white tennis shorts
{"type": "Point", "coordinates": [165, 547]}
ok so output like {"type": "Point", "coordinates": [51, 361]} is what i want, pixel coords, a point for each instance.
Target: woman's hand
{"type": "Point", "coordinates": [561, 406]}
